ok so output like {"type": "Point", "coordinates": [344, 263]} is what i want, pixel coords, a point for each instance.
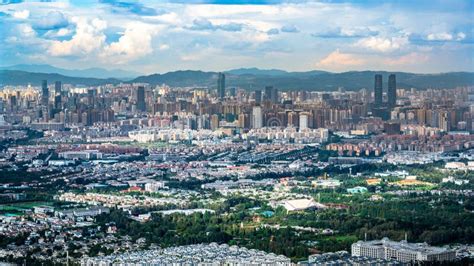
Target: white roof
{"type": "Point", "coordinates": [299, 204]}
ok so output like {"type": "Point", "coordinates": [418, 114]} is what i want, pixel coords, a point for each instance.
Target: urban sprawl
{"type": "Point", "coordinates": [135, 174]}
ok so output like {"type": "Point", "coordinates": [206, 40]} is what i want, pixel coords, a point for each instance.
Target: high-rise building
{"type": "Point", "coordinates": [258, 96]}
{"type": "Point", "coordinates": [378, 90]}
{"type": "Point", "coordinates": [57, 101]}
{"type": "Point", "coordinates": [392, 90]}
{"type": "Point", "coordinates": [304, 121]}
{"type": "Point", "coordinates": [232, 91]}
{"type": "Point", "coordinates": [57, 87]}
{"type": "Point", "coordinates": [214, 121]}
{"type": "Point", "coordinates": [271, 94]}
{"type": "Point", "coordinates": [275, 96]}
{"type": "Point", "coordinates": [44, 93]}
{"type": "Point", "coordinates": [391, 127]}
{"type": "Point", "coordinates": [221, 85]}
{"type": "Point", "coordinates": [141, 106]}
{"type": "Point", "coordinates": [257, 117]}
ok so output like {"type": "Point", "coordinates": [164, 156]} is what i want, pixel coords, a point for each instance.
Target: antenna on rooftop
{"type": "Point", "coordinates": [406, 237]}
{"type": "Point", "coordinates": [365, 236]}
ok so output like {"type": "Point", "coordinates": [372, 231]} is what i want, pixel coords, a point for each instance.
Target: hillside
{"type": "Point", "coordinates": [257, 79]}
{"type": "Point", "coordinates": [14, 77]}
{"type": "Point", "coordinates": [313, 80]}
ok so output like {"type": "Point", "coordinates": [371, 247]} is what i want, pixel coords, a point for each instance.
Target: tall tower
{"type": "Point", "coordinates": [257, 117]}
{"type": "Point", "coordinates": [392, 90]}
{"type": "Point", "coordinates": [258, 96]}
{"type": "Point", "coordinates": [57, 88]}
{"type": "Point", "coordinates": [141, 106]}
{"type": "Point", "coordinates": [44, 93]}
{"type": "Point", "coordinates": [271, 94]}
{"type": "Point", "coordinates": [378, 90]}
{"type": "Point", "coordinates": [221, 85]}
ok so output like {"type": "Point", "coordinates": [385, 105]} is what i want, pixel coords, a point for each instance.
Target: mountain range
{"type": "Point", "coordinates": [254, 78]}
{"type": "Point", "coordinates": [81, 73]}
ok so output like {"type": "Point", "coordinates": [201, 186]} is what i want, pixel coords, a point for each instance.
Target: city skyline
{"type": "Point", "coordinates": [425, 37]}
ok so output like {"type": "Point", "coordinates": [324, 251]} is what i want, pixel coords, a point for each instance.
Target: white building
{"type": "Point", "coordinates": [154, 186]}
{"type": "Point", "coordinates": [301, 204]}
{"type": "Point", "coordinates": [303, 121]}
{"type": "Point", "coordinates": [81, 155]}
{"type": "Point", "coordinates": [257, 118]}
{"type": "Point", "coordinates": [401, 251]}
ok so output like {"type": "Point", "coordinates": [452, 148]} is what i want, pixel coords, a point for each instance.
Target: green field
{"type": "Point", "coordinates": [23, 206]}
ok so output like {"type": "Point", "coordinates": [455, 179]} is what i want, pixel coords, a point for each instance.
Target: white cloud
{"type": "Point", "coordinates": [26, 31]}
{"type": "Point", "coordinates": [53, 20]}
{"type": "Point", "coordinates": [382, 44]}
{"type": "Point", "coordinates": [135, 42]}
{"type": "Point", "coordinates": [23, 14]}
{"type": "Point", "coordinates": [445, 36]}
{"type": "Point", "coordinates": [461, 36]}
{"type": "Point", "coordinates": [164, 47]}
{"type": "Point", "coordinates": [337, 60]}
{"type": "Point", "coordinates": [89, 37]}
{"type": "Point", "coordinates": [409, 59]}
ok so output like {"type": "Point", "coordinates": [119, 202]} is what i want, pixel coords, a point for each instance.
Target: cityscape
{"type": "Point", "coordinates": [201, 133]}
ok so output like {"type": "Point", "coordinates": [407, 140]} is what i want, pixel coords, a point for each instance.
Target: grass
{"type": "Point", "coordinates": [22, 206]}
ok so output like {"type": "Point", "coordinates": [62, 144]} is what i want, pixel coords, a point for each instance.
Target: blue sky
{"type": "Point", "coordinates": [159, 36]}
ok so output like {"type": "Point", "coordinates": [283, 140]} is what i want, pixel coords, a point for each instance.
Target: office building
{"type": "Point", "coordinates": [392, 127]}
{"type": "Point", "coordinates": [258, 96]}
{"type": "Point", "coordinates": [232, 92]}
{"type": "Point", "coordinates": [304, 121]}
{"type": "Point", "coordinates": [141, 106]}
{"type": "Point", "coordinates": [44, 93]}
{"type": "Point", "coordinates": [378, 90]}
{"type": "Point", "coordinates": [214, 122]}
{"type": "Point", "coordinates": [401, 251]}
{"type": "Point", "coordinates": [221, 86]}
{"type": "Point", "coordinates": [257, 117]}
{"type": "Point", "coordinates": [392, 90]}
{"type": "Point", "coordinates": [271, 94]}
{"type": "Point", "coordinates": [57, 88]}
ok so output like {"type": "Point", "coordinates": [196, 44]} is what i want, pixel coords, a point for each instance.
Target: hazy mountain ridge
{"type": "Point", "coordinates": [81, 73]}
{"type": "Point", "coordinates": [15, 78]}
{"type": "Point", "coordinates": [311, 80]}
{"type": "Point", "coordinates": [271, 72]}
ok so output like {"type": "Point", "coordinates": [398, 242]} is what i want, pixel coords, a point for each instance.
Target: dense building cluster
{"type": "Point", "coordinates": [200, 254]}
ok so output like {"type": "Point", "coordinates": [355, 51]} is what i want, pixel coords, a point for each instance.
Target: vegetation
{"type": "Point", "coordinates": [234, 223]}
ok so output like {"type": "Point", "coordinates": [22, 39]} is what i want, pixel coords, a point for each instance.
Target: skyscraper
{"type": "Point", "coordinates": [378, 90]}
{"type": "Point", "coordinates": [271, 94]}
{"type": "Point", "coordinates": [392, 90]}
{"type": "Point", "coordinates": [57, 94]}
{"type": "Point", "coordinates": [232, 91]}
{"type": "Point", "coordinates": [258, 96]}
{"type": "Point", "coordinates": [141, 106]}
{"type": "Point", "coordinates": [44, 93]}
{"type": "Point", "coordinates": [221, 85]}
{"type": "Point", "coordinates": [257, 117]}
{"type": "Point", "coordinates": [57, 87]}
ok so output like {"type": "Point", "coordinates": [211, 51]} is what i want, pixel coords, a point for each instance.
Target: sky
{"type": "Point", "coordinates": [424, 36]}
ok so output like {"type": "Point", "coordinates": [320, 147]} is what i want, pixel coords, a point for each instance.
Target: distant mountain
{"type": "Point", "coordinates": [253, 79]}
{"type": "Point", "coordinates": [15, 77]}
{"type": "Point", "coordinates": [311, 80]}
{"type": "Point", "coordinates": [182, 78]}
{"type": "Point", "coordinates": [83, 73]}
{"type": "Point", "coordinates": [270, 72]}
{"type": "Point", "coordinates": [257, 71]}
